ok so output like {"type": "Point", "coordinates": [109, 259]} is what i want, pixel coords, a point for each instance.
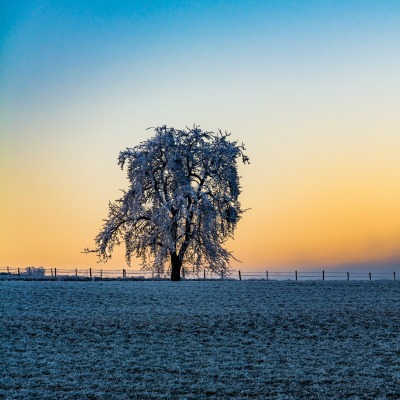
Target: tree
{"type": "Point", "coordinates": [182, 202]}
{"type": "Point", "coordinates": [33, 271]}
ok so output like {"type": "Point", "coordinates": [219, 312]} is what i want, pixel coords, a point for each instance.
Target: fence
{"type": "Point", "coordinates": [317, 275]}
{"type": "Point", "coordinates": [74, 274]}
{"type": "Point", "coordinates": [33, 273]}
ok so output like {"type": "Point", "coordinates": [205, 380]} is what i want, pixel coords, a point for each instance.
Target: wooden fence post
{"type": "Point", "coordinates": [204, 273]}
{"type": "Point", "coordinates": [123, 273]}
{"type": "Point", "coordinates": [76, 272]}
{"type": "Point", "coordinates": [348, 276]}
{"type": "Point", "coordinates": [90, 273]}
{"type": "Point", "coordinates": [394, 275]}
{"type": "Point", "coordinates": [8, 270]}
{"type": "Point", "coordinates": [323, 275]}
{"type": "Point", "coordinates": [266, 272]}
{"type": "Point", "coordinates": [240, 276]}
{"type": "Point", "coordinates": [29, 271]}
{"type": "Point", "coordinates": [296, 274]}
{"type": "Point", "coordinates": [369, 273]}
{"type": "Point", "coordinates": [55, 273]}
{"type": "Point", "coordinates": [19, 273]}
{"type": "Point", "coordinates": [101, 274]}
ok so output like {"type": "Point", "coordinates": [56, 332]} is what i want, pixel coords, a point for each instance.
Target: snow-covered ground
{"type": "Point", "coordinates": [200, 340]}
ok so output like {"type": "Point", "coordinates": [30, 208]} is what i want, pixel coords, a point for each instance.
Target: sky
{"type": "Point", "coordinates": [311, 87]}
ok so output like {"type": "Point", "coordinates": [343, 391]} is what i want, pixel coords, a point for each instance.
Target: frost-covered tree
{"type": "Point", "coordinates": [33, 271]}
{"type": "Point", "coordinates": [182, 202]}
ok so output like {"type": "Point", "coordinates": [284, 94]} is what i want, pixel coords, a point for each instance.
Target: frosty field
{"type": "Point", "coordinates": [200, 340]}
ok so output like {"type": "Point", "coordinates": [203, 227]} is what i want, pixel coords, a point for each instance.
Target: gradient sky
{"type": "Point", "coordinates": [311, 87]}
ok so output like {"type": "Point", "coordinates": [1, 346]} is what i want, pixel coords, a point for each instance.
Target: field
{"type": "Point", "coordinates": [200, 340]}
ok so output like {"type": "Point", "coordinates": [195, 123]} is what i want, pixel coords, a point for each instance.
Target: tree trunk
{"type": "Point", "coordinates": [176, 265]}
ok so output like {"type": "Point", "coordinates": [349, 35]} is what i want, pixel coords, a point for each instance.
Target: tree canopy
{"type": "Point", "coordinates": [182, 202]}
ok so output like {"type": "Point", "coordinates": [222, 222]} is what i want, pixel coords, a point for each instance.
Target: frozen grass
{"type": "Point", "coordinates": [198, 340]}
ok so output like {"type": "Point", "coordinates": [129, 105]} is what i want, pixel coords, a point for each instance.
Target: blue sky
{"type": "Point", "coordinates": [46, 45]}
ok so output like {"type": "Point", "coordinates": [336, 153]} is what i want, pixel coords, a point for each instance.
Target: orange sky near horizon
{"type": "Point", "coordinates": [325, 211]}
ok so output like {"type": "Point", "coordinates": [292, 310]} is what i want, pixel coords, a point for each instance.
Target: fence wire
{"type": "Point", "coordinates": [130, 274]}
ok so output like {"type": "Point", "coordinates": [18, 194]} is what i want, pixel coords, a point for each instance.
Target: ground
{"type": "Point", "coordinates": [200, 340]}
